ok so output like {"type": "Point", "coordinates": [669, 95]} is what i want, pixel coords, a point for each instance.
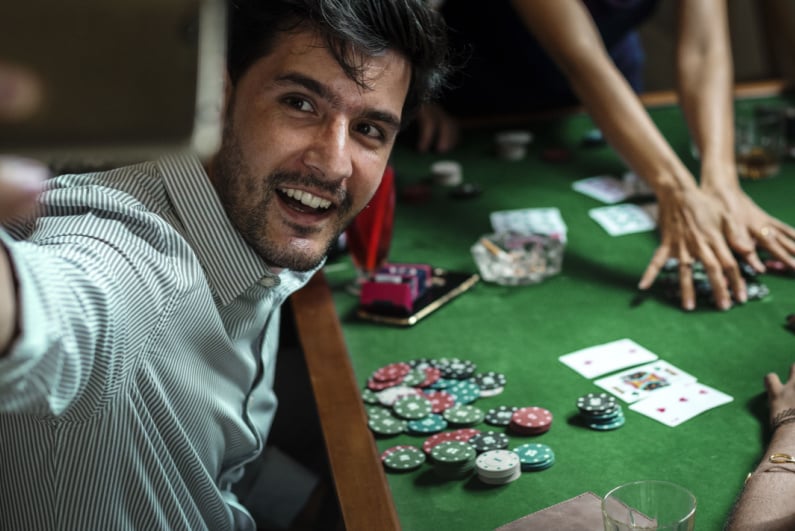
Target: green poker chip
{"type": "Point", "coordinates": [463, 415]}
{"type": "Point", "coordinates": [412, 407]}
{"type": "Point", "coordinates": [402, 458]}
{"type": "Point", "coordinates": [453, 453]}
{"type": "Point", "coordinates": [535, 456]}
{"type": "Point", "coordinates": [433, 423]}
{"type": "Point", "coordinates": [414, 377]}
{"type": "Point", "coordinates": [387, 425]}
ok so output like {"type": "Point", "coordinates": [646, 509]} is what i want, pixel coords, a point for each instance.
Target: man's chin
{"type": "Point", "coordinates": [296, 256]}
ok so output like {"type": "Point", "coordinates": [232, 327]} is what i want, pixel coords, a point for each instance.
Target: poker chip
{"type": "Point", "coordinates": [369, 396]}
{"type": "Point", "coordinates": [443, 383]}
{"type": "Point", "coordinates": [466, 191]}
{"type": "Point", "coordinates": [440, 400]}
{"type": "Point", "coordinates": [464, 391]}
{"type": "Point", "coordinates": [388, 396]}
{"type": "Point", "coordinates": [414, 378]}
{"type": "Point", "coordinates": [433, 423]}
{"type": "Point", "coordinates": [453, 459]}
{"type": "Point", "coordinates": [402, 458]}
{"type": "Point", "coordinates": [380, 385]}
{"type": "Point", "coordinates": [512, 145]}
{"type": "Point", "coordinates": [596, 402]}
{"type": "Point", "coordinates": [498, 467]}
{"type": "Point", "coordinates": [374, 412]}
{"type": "Point", "coordinates": [490, 380]}
{"type": "Point", "coordinates": [500, 415]}
{"type": "Point", "coordinates": [600, 411]}
{"type": "Point", "coordinates": [534, 456]}
{"type": "Point", "coordinates": [485, 393]}
{"type": "Point", "coordinates": [412, 407]}
{"type": "Point", "coordinates": [489, 440]}
{"type": "Point", "coordinates": [432, 375]}
{"type": "Point", "coordinates": [447, 173]}
{"type": "Point", "coordinates": [386, 426]}
{"type": "Point", "coordinates": [463, 415]}
{"type": "Point", "coordinates": [530, 420]}
{"type": "Point", "coordinates": [593, 138]}
{"type": "Point", "coordinates": [391, 372]}
{"type": "Point", "coordinates": [455, 368]}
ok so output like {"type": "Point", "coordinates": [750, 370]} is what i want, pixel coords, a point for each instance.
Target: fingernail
{"type": "Point", "coordinates": [725, 305]}
{"type": "Point", "coordinates": [26, 174]}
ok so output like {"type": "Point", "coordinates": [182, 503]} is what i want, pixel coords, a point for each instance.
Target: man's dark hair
{"type": "Point", "coordinates": [352, 29]}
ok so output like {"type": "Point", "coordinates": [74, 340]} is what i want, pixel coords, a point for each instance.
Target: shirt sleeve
{"type": "Point", "coordinates": [92, 294]}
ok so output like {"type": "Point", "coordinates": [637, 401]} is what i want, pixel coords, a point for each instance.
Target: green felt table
{"type": "Point", "coordinates": [522, 331]}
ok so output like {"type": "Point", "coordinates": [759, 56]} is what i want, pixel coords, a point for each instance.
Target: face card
{"type": "Point", "coordinates": [623, 219]}
{"type": "Point", "coordinates": [603, 188]}
{"type": "Point", "coordinates": [535, 220]}
{"type": "Point", "coordinates": [675, 405]}
{"type": "Point", "coordinates": [638, 383]}
{"type": "Point", "coordinates": [602, 359]}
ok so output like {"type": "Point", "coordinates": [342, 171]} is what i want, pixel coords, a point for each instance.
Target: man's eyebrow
{"type": "Point", "coordinates": [321, 90]}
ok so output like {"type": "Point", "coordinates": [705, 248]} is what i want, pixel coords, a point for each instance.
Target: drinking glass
{"type": "Point", "coordinates": [649, 504]}
{"type": "Point", "coordinates": [369, 236]}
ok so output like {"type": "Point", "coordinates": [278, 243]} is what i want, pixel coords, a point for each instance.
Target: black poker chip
{"type": "Point", "coordinates": [489, 440]}
{"type": "Point", "coordinates": [500, 415]}
{"type": "Point", "coordinates": [490, 380]}
{"type": "Point", "coordinates": [455, 368]}
{"type": "Point", "coordinates": [596, 403]}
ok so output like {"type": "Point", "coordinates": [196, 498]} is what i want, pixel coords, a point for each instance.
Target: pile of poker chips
{"type": "Point", "coordinates": [498, 467]}
{"type": "Point", "coordinates": [667, 282]}
{"type": "Point", "coordinates": [600, 411]}
{"type": "Point", "coordinates": [427, 396]}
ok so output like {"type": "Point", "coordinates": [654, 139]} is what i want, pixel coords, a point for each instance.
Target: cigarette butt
{"type": "Point", "coordinates": [493, 248]}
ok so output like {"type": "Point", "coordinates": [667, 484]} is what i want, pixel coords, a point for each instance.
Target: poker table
{"type": "Point", "coordinates": [521, 331]}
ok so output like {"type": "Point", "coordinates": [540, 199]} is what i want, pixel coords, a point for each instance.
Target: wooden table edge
{"type": "Point", "coordinates": [362, 490]}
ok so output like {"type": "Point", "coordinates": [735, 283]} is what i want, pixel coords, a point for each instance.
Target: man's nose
{"type": "Point", "coordinates": [330, 152]}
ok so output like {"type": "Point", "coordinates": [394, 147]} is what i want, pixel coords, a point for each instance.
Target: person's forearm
{"type": "Point", "coordinates": [705, 81]}
{"type": "Point", "coordinates": [615, 108]}
{"type": "Point", "coordinates": [7, 302]}
{"type": "Point", "coordinates": [766, 500]}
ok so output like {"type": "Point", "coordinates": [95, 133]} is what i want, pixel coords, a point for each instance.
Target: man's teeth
{"type": "Point", "coordinates": [305, 198]}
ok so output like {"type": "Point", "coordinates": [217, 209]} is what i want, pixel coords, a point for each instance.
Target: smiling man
{"type": "Point", "coordinates": [139, 311]}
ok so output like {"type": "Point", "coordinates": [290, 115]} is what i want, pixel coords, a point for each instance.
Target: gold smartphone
{"type": "Point", "coordinates": [121, 81]}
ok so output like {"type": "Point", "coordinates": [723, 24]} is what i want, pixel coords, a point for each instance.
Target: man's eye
{"type": "Point", "coordinates": [299, 104]}
{"type": "Point", "coordinates": [370, 131]}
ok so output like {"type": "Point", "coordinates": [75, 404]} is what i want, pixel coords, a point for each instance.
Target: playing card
{"type": "Point", "coordinates": [635, 186]}
{"type": "Point", "coordinates": [623, 219]}
{"type": "Point", "coordinates": [638, 383]}
{"type": "Point", "coordinates": [604, 188]}
{"type": "Point", "coordinates": [602, 359]}
{"type": "Point", "coordinates": [530, 220]}
{"type": "Point", "coordinates": [676, 404]}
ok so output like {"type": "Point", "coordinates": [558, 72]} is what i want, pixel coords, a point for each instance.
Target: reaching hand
{"type": "Point", "coordinates": [696, 226]}
{"type": "Point", "coordinates": [767, 232]}
{"type": "Point", "coordinates": [438, 131]}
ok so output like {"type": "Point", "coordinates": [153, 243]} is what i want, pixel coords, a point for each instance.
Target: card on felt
{"type": "Point", "coordinates": [535, 220]}
{"type": "Point", "coordinates": [602, 359]}
{"type": "Point", "coordinates": [623, 219]}
{"type": "Point", "coordinates": [676, 404]}
{"type": "Point", "coordinates": [641, 382]}
{"type": "Point", "coordinates": [604, 188]}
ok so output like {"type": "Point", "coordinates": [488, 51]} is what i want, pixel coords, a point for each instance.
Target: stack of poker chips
{"type": "Point", "coordinates": [600, 411]}
{"type": "Point", "coordinates": [535, 457]}
{"type": "Point", "coordinates": [530, 421]}
{"type": "Point", "coordinates": [453, 459]}
{"type": "Point", "coordinates": [498, 467]}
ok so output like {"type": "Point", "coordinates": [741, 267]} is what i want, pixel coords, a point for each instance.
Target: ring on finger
{"type": "Point", "coordinates": [766, 231]}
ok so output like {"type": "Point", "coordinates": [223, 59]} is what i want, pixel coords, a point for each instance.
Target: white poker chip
{"type": "Point", "coordinates": [447, 173]}
{"type": "Point", "coordinates": [496, 464]}
{"type": "Point", "coordinates": [388, 396]}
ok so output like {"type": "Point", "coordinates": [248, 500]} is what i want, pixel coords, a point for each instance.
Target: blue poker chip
{"type": "Point", "coordinates": [433, 423]}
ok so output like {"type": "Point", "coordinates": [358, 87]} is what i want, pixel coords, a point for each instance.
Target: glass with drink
{"type": "Point", "coordinates": [369, 236]}
{"type": "Point", "coordinates": [760, 142]}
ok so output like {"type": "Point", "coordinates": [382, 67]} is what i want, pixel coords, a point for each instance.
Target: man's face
{"type": "Point", "coordinates": [305, 147]}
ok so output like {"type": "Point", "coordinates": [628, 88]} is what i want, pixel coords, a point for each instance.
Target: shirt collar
{"type": "Point", "coordinates": [230, 264]}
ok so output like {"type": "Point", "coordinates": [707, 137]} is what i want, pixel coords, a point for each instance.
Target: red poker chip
{"type": "Point", "coordinates": [389, 451]}
{"type": "Point", "coordinates": [390, 372]}
{"type": "Point", "coordinates": [380, 385]}
{"type": "Point", "coordinates": [437, 438]}
{"type": "Point", "coordinates": [440, 400]}
{"type": "Point", "coordinates": [432, 374]}
{"type": "Point", "coordinates": [464, 434]}
{"type": "Point", "coordinates": [531, 417]}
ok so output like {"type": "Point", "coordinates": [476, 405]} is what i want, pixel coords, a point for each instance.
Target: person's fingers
{"type": "Point", "coordinates": [773, 384]}
{"type": "Point", "coordinates": [655, 265]}
{"type": "Point", "coordinates": [791, 378]}
{"type": "Point", "coordinates": [776, 241]}
{"type": "Point", "coordinates": [21, 180]}
{"type": "Point", "coordinates": [21, 93]}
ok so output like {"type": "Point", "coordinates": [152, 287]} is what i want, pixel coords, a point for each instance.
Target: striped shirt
{"type": "Point", "coordinates": [141, 382]}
